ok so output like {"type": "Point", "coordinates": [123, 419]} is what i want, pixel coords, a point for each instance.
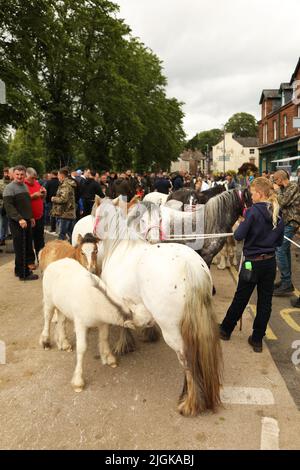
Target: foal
{"type": "Point", "coordinates": [81, 297]}
{"type": "Point", "coordinates": [85, 252]}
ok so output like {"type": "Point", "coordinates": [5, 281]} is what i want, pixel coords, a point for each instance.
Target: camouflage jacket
{"type": "Point", "coordinates": [289, 201]}
{"type": "Point", "coordinates": [63, 204]}
{"type": "Point", "coordinates": [3, 184]}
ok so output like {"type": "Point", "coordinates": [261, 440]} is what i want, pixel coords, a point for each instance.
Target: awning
{"type": "Point", "coordinates": [286, 159]}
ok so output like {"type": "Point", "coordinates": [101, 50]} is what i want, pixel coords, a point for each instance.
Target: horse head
{"type": "Point", "coordinates": [86, 251]}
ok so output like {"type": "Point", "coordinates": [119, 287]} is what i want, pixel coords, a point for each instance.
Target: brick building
{"type": "Point", "coordinates": [278, 138]}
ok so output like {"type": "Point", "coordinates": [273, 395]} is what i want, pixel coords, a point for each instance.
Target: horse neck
{"type": "Point", "coordinates": [221, 212]}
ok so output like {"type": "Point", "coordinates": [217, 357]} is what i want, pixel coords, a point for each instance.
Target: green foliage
{"type": "Point", "coordinates": [98, 93]}
{"type": "Point", "coordinates": [26, 148]}
{"type": "Point", "coordinates": [205, 140]}
{"type": "Point", "coordinates": [242, 125]}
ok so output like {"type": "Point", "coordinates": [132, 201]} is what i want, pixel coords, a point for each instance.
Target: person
{"type": "Point", "coordinates": [289, 200]}
{"type": "Point", "coordinates": [64, 204]}
{"type": "Point", "coordinates": [17, 204]}
{"type": "Point", "coordinates": [90, 189]}
{"type": "Point", "coordinates": [37, 195]}
{"type": "Point", "coordinates": [162, 184]}
{"type": "Point", "coordinates": [200, 184]}
{"type": "Point", "coordinates": [178, 181]}
{"type": "Point", "coordinates": [51, 188]}
{"type": "Point", "coordinates": [122, 187]}
{"type": "Point", "coordinates": [3, 217]}
{"type": "Point", "coordinates": [231, 184]}
{"type": "Point", "coordinates": [262, 232]}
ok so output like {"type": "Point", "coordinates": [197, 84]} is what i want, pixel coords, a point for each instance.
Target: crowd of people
{"type": "Point", "coordinates": [57, 200]}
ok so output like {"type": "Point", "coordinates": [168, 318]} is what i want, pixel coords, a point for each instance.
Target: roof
{"type": "Point", "coordinates": [269, 94]}
{"type": "Point", "coordinates": [189, 155]}
{"type": "Point", "coordinates": [247, 141]}
{"type": "Point", "coordinates": [285, 86]}
{"type": "Point", "coordinates": [295, 72]}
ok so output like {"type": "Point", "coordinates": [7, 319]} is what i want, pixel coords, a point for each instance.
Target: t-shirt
{"type": "Point", "coordinates": [36, 204]}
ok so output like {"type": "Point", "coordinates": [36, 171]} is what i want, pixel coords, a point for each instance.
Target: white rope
{"type": "Point", "coordinates": [294, 243]}
{"type": "Point", "coordinates": [198, 236]}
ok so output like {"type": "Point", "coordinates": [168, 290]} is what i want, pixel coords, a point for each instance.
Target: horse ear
{"type": "Point", "coordinates": [79, 239]}
{"type": "Point", "coordinates": [97, 200]}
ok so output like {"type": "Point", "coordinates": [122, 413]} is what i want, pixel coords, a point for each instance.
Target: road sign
{"type": "Point", "coordinates": [296, 122]}
{"type": "Point", "coordinates": [2, 92]}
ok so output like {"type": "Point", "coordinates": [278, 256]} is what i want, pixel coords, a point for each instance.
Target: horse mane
{"type": "Point", "coordinates": [218, 209]}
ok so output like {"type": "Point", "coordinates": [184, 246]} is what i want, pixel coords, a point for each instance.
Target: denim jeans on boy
{"type": "Point", "coordinates": [283, 255]}
{"type": "Point", "coordinates": [65, 228]}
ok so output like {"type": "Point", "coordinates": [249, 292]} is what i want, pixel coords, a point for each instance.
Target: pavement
{"type": "Point", "coordinates": [134, 406]}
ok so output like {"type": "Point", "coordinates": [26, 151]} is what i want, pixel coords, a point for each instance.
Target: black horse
{"type": "Point", "coordinates": [192, 197]}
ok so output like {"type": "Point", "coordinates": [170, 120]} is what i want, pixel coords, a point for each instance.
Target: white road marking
{"type": "Point", "coordinates": [247, 396]}
{"type": "Point", "coordinates": [269, 434]}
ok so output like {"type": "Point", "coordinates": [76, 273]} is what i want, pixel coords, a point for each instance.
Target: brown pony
{"type": "Point", "coordinates": [85, 252]}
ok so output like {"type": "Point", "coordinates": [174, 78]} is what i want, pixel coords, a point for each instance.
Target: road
{"type": "Point", "coordinates": [135, 405]}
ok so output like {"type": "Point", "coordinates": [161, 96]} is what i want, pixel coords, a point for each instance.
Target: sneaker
{"type": "Point", "coordinates": [223, 334]}
{"type": "Point", "coordinates": [256, 345]}
{"type": "Point", "coordinates": [283, 290]}
{"type": "Point", "coordinates": [30, 277]}
{"type": "Point", "coordinates": [295, 302]}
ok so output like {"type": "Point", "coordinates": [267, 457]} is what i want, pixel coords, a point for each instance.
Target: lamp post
{"type": "Point", "coordinates": [224, 149]}
{"type": "Point", "coordinates": [207, 159]}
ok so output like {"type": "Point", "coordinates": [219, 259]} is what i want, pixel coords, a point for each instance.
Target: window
{"type": "Point", "coordinates": [252, 151]}
{"type": "Point", "coordinates": [285, 125]}
{"type": "Point", "coordinates": [265, 107]}
{"type": "Point", "coordinates": [265, 133]}
{"type": "Point", "coordinates": [275, 130]}
{"type": "Point", "coordinates": [282, 99]}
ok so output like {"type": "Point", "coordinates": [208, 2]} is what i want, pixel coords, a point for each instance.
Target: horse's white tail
{"type": "Point", "coordinates": [202, 349]}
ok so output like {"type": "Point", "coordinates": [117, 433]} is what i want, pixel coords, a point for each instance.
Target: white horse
{"type": "Point", "coordinates": [81, 297]}
{"type": "Point", "coordinates": [171, 285]}
{"type": "Point", "coordinates": [156, 198]}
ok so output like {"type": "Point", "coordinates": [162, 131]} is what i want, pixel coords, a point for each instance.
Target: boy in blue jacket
{"type": "Point", "coordinates": [262, 231]}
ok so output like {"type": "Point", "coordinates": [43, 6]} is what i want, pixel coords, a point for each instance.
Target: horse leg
{"type": "Point", "coordinates": [60, 333]}
{"type": "Point", "coordinates": [125, 343]}
{"type": "Point", "coordinates": [45, 336]}
{"type": "Point", "coordinates": [81, 346]}
{"type": "Point", "coordinates": [104, 349]}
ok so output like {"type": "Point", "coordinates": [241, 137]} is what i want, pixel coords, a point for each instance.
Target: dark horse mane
{"type": "Point", "coordinates": [221, 213]}
{"type": "Point", "coordinates": [198, 197]}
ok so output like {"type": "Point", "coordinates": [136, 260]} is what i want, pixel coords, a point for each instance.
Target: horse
{"type": "Point", "coordinates": [85, 252]}
{"type": "Point", "coordinates": [168, 284]}
{"type": "Point", "coordinates": [156, 197]}
{"type": "Point", "coordinates": [81, 297]}
{"type": "Point", "coordinates": [220, 214]}
{"type": "Point", "coordinates": [190, 197]}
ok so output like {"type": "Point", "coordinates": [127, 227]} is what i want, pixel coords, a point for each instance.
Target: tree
{"type": "Point", "coordinates": [98, 93]}
{"type": "Point", "coordinates": [242, 125]}
{"type": "Point", "coordinates": [205, 140]}
{"type": "Point", "coordinates": [26, 148]}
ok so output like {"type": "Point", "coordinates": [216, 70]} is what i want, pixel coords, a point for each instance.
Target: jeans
{"type": "Point", "coordinates": [283, 255]}
{"type": "Point", "coordinates": [38, 239]}
{"type": "Point", "coordinates": [65, 228]}
{"type": "Point", "coordinates": [3, 227]}
{"type": "Point", "coordinates": [265, 272]}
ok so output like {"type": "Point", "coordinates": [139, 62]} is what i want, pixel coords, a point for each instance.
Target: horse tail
{"type": "Point", "coordinates": [202, 349]}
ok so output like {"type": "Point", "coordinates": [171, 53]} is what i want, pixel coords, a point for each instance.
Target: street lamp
{"type": "Point", "coordinates": [224, 149]}
{"type": "Point", "coordinates": [207, 159]}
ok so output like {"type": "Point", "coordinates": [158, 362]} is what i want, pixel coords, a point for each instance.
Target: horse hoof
{"type": "Point", "coordinates": [45, 343]}
{"type": "Point", "coordinates": [78, 389]}
{"type": "Point", "coordinates": [113, 365]}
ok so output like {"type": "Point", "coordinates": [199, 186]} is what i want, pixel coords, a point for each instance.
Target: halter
{"type": "Point", "coordinates": [162, 235]}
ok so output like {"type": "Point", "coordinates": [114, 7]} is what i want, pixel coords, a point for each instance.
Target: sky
{"type": "Point", "coordinates": [218, 55]}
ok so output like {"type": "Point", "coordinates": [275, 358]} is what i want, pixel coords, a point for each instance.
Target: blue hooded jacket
{"type": "Point", "coordinates": [258, 232]}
